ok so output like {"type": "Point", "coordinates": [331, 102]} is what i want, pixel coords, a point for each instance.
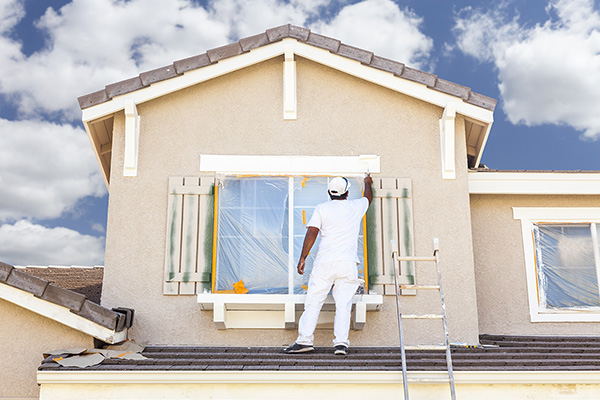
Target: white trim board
{"type": "Point", "coordinates": [60, 314]}
{"type": "Point", "coordinates": [533, 183]}
{"type": "Point", "coordinates": [290, 165]}
{"type": "Point", "coordinates": [322, 56]}
{"type": "Point", "coordinates": [332, 377]}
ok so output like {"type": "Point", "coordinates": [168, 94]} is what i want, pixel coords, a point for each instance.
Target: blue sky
{"type": "Point", "coordinates": [540, 59]}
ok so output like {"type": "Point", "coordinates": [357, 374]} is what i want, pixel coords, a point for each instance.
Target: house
{"type": "Point", "coordinates": [213, 165]}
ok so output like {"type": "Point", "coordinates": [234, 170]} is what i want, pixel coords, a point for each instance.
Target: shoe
{"type": "Point", "coordinates": [298, 348]}
{"type": "Point", "coordinates": [340, 350]}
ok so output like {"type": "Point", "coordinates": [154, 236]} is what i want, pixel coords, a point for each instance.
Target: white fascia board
{"type": "Point", "coordinates": [97, 153]}
{"type": "Point", "coordinates": [188, 79]}
{"type": "Point", "coordinates": [60, 314]}
{"type": "Point", "coordinates": [322, 56]}
{"type": "Point", "coordinates": [533, 183]}
{"type": "Point", "coordinates": [486, 135]}
{"type": "Point", "coordinates": [290, 165]}
{"type": "Point", "coordinates": [317, 377]}
{"type": "Point", "coordinates": [390, 81]}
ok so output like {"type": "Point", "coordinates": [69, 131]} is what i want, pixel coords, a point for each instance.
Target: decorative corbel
{"type": "Point", "coordinates": [447, 138]}
{"type": "Point", "coordinates": [132, 139]}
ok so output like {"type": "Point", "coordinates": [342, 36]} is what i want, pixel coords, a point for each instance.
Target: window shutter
{"type": "Point", "coordinates": [188, 256]}
{"type": "Point", "coordinates": [389, 218]}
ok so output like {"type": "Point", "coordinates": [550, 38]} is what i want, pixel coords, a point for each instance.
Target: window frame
{"type": "Point", "coordinates": [292, 257]}
{"type": "Point", "coordinates": [562, 215]}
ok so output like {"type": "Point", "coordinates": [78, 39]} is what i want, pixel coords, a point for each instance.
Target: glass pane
{"type": "Point", "coordinates": [566, 266]}
{"type": "Point", "coordinates": [249, 237]}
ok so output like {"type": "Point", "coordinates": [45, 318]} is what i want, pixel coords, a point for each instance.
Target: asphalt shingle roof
{"type": "Point", "coordinates": [497, 353]}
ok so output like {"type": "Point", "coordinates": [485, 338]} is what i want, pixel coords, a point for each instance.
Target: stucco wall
{"type": "Point", "coordinates": [500, 265]}
{"type": "Point", "coordinates": [241, 113]}
{"type": "Point", "coordinates": [24, 337]}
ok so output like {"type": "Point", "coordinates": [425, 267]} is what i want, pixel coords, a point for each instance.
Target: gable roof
{"type": "Point", "coordinates": [304, 35]}
{"type": "Point", "coordinates": [98, 108]}
{"type": "Point", "coordinates": [64, 306]}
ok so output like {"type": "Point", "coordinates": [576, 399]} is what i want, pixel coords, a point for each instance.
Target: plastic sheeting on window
{"type": "Point", "coordinates": [566, 266]}
{"type": "Point", "coordinates": [254, 229]}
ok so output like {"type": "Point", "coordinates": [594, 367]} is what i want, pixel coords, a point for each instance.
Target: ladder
{"type": "Point", "coordinates": [399, 286]}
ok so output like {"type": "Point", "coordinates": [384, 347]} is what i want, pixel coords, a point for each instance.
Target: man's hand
{"type": "Point", "coordinates": [301, 265]}
{"type": "Point", "coordinates": [368, 180]}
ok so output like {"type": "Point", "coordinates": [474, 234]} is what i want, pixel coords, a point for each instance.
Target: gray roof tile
{"type": "Point", "coordinates": [98, 314]}
{"type": "Point", "coordinates": [64, 297]}
{"type": "Point", "coordinates": [223, 52]}
{"type": "Point", "coordinates": [419, 76]}
{"type": "Point", "coordinates": [355, 53]}
{"type": "Point", "coordinates": [253, 42]}
{"type": "Point", "coordinates": [92, 99]}
{"type": "Point", "coordinates": [5, 271]}
{"type": "Point", "coordinates": [126, 86]}
{"type": "Point", "coordinates": [29, 283]}
{"type": "Point", "coordinates": [324, 42]}
{"type": "Point", "coordinates": [190, 63]}
{"type": "Point", "coordinates": [392, 66]}
{"type": "Point", "coordinates": [452, 88]}
{"type": "Point", "coordinates": [482, 101]}
{"type": "Point", "coordinates": [157, 75]}
{"type": "Point", "coordinates": [273, 35]}
{"type": "Point", "coordinates": [278, 33]}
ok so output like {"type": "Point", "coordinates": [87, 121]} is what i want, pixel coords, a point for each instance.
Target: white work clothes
{"type": "Point", "coordinates": [339, 223]}
{"type": "Point", "coordinates": [343, 275]}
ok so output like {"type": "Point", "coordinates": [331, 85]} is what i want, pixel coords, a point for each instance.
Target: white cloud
{"type": "Point", "coordinates": [45, 169]}
{"type": "Point", "coordinates": [92, 43]}
{"type": "Point", "coordinates": [27, 244]}
{"type": "Point", "coordinates": [548, 73]}
{"type": "Point", "coordinates": [382, 27]}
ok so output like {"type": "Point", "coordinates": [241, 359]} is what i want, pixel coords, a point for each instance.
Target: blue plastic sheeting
{"type": "Point", "coordinates": [566, 266]}
{"type": "Point", "coordinates": [254, 230]}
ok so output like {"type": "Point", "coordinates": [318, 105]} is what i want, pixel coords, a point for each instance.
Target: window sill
{"type": "Point", "coordinates": [278, 311]}
{"type": "Point", "coordinates": [566, 316]}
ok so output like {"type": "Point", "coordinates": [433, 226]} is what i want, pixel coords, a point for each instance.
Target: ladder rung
{"type": "Point", "coordinates": [415, 258]}
{"type": "Point", "coordinates": [434, 287]}
{"type": "Point", "coordinates": [426, 347]}
{"type": "Point", "coordinates": [423, 316]}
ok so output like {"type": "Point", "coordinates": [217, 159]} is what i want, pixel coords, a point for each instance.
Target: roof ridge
{"type": "Point", "coordinates": [244, 45]}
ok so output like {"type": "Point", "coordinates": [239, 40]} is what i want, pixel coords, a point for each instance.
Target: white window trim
{"type": "Point", "coordinates": [276, 311]}
{"type": "Point", "coordinates": [530, 216]}
{"type": "Point", "coordinates": [290, 165]}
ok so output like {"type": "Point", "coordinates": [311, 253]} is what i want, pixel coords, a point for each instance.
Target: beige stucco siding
{"type": "Point", "coordinates": [23, 338]}
{"type": "Point", "coordinates": [241, 113]}
{"type": "Point", "coordinates": [500, 265]}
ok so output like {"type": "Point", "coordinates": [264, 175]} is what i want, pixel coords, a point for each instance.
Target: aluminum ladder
{"type": "Point", "coordinates": [398, 286]}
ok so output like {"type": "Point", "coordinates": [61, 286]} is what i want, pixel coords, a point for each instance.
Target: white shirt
{"type": "Point", "coordinates": [339, 224]}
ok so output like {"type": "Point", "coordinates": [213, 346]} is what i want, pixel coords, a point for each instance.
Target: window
{"type": "Point", "coordinates": [259, 240]}
{"type": "Point", "coordinates": [563, 262]}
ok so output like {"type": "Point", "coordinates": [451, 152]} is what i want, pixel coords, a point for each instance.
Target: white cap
{"type": "Point", "coordinates": [338, 186]}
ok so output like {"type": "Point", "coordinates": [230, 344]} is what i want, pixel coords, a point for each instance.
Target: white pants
{"type": "Point", "coordinates": [343, 275]}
